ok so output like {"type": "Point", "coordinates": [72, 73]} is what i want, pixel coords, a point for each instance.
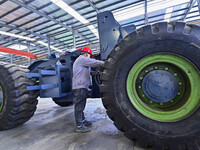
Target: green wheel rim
{"type": "Point", "coordinates": [184, 107]}
{"type": "Point", "coordinates": [1, 98]}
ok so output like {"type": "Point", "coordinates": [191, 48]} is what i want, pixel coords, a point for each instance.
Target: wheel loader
{"type": "Point", "coordinates": [149, 84]}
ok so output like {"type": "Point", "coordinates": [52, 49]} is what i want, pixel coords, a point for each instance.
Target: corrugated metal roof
{"type": "Point", "coordinates": [50, 20]}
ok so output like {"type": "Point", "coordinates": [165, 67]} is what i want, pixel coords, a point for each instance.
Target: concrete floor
{"type": "Point", "coordinates": [53, 128]}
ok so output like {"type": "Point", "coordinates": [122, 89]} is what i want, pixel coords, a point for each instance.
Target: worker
{"type": "Point", "coordinates": [80, 84]}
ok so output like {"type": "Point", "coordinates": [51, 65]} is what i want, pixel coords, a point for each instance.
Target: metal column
{"type": "Point", "coordinates": [93, 5]}
{"type": "Point", "coordinates": [11, 58]}
{"type": "Point", "coordinates": [74, 38]}
{"type": "Point", "coordinates": [146, 14]}
{"type": "Point", "coordinates": [49, 48]}
{"type": "Point", "coordinates": [29, 59]}
{"type": "Point", "coordinates": [192, 2]}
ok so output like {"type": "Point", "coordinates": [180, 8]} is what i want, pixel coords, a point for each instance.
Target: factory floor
{"type": "Point", "coordinates": [53, 128]}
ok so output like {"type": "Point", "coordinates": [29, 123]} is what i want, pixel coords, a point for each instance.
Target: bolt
{"type": "Point", "coordinates": [143, 95]}
{"type": "Point", "coordinates": [161, 103]}
{"type": "Point", "coordinates": [179, 93]}
{"type": "Point", "coordinates": [155, 67]}
{"type": "Point", "coordinates": [139, 87]}
{"type": "Point", "coordinates": [141, 78]}
{"type": "Point", "coordinates": [151, 101]}
{"type": "Point", "coordinates": [146, 71]}
{"type": "Point", "coordinates": [175, 74]}
{"type": "Point", "coordinates": [180, 83]}
{"type": "Point", "coordinates": [166, 68]}
{"type": "Point", "coordinates": [171, 101]}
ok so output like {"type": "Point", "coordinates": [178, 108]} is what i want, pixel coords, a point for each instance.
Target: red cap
{"type": "Point", "coordinates": [87, 50]}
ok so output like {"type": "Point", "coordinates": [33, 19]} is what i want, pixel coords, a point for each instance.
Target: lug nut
{"type": "Point", "coordinates": [146, 71]}
{"type": "Point", "coordinates": [155, 67]}
{"type": "Point", "coordinates": [179, 93]}
{"type": "Point", "coordinates": [143, 95]}
{"type": "Point", "coordinates": [141, 78]}
{"type": "Point", "coordinates": [175, 74]}
{"type": "Point", "coordinates": [161, 103]}
{"type": "Point", "coordinates": [139, 87]}
{"type": "Point", "coordinates": [151, 101]}
{"type": "Point", "coordinates": [166, 68]}
{"type": "Point", "coordinates": [180, 83]}
{"type": "Point", "coordinates": [171, 101]}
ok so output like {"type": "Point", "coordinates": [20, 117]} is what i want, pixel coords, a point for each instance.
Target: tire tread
{"type": "Point", "coordinates": [21, 104]}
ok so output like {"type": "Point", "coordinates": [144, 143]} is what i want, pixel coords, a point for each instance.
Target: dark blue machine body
{"type": "Point", "coordinates": [110, 32]}
{"type": "Point", "coordinates": [54, 74]}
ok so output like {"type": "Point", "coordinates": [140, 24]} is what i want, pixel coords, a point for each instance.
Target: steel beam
{"type": "Point", "coordinates": [9, 12]}
{"type": "Point", "coordinates": [74, 28]}
{"type": "Point", "coordinates": [68, 19]}
{"type": "Point", "coordinates": [37, 19]}
{"type": "Point", "coordinates": [11, 58]}
{"type": "Point", "coordinates": [29, 32]}
{"type": "Point", "coordinates": [12, 10]}
{"type": "Point", "coordinates": [49, 46]}
{"type": "Point", "coordinates": [43, 6]}
{"type": "Point", "coordinates": [102, 8]}
{"type": "Point", "coordinates": [85, 25]}
{"type": "Point", "coordinates": [74, 39]}
{"type": "Point", "coordinates": [12, 41]}
{"type": "Point", "coordinates": [192, 2]}
{"type": "Point", "coordinates": [47, 17]}
{"type": "Point", "coordinates": [46, 5]}
{"type": "Point", "coordinates": [71, 18]}
{"type": "Point", "coordinates": [93, 5]}
{"type": "Point", "coordinates": [29, 59]}
{"type": "Point", "coordinates": [9, 41]}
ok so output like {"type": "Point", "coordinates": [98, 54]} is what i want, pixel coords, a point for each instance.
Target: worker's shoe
{"type": "Point", "coordinates": [87, 123]}
{"type": "Point", "coordinates": [83, 129]}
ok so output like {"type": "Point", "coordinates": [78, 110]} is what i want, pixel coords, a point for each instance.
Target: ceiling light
{"type": "Point", "coordinates": [75, 14]}
{"type": "Point", "coordinates": [70, 10]}
{"type": "Point", "coordinates": [17, 36]}
{"type": "Point", "coordinates": [27, 38]}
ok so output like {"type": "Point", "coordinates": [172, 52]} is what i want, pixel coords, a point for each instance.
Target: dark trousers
{"type": "Point", "coordinates": [80, 96]}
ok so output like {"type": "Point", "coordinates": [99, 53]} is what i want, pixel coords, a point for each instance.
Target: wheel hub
{"type": "Point", "coordinates": [160, 86]}
{"type": "Point", "coordinates": [164, 87]}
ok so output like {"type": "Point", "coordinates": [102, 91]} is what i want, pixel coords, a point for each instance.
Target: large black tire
{"type": "Point", "coordinates": [19, 104]}
{"type": "Point", "coordinates": [175, 38]}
